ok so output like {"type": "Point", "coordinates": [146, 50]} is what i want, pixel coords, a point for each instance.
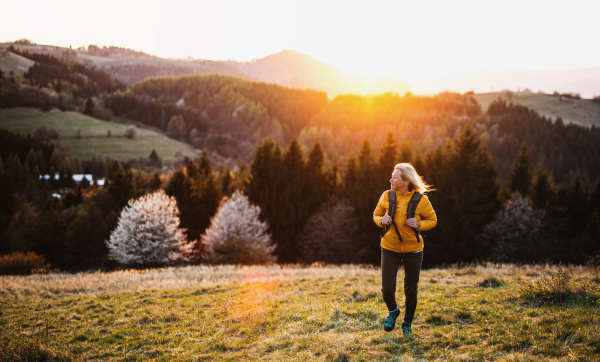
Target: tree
{"type": "Point", "coordinates": [148, 233]}
{"type": "Point", "coordinates": [236, 235]}
{"type": "Point", "coordinates": [331, 235]}
{"type": "Point", "coordinates": [89, 107]}
{"type": "Point", "coordinates": [542, 190]}
{"type": "Point", "coordinates": [130, 132]}
{"type": "Point", "coordinates": [154, 157]}
{"type": "Point", "coordinates": [121, 187]}
{"type": "Point", "coordinates": [519, 179]}
{"type": "Point", "coordinates": [388, 158]}
{"type": "Point", "coordinates": [368, 189]}
{"type": "Point", "coordinates": [468, 198]}
{"type": "Point", "coordinates": [510, 237]}
{"type": "Point", "coordinates": [176, 127]}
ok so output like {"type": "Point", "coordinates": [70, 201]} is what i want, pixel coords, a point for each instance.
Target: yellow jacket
{"type": "Point", "coordinates": [424, 215]}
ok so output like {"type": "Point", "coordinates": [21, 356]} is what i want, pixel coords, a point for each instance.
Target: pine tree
{"type": "Point", "coordinates": [350, 174]}
{"type": "Point", "coordinates": [542, 190]}
{"type": "Point", "coordinates": [573, 199]}
{"type": "Point", "coordinates": [364, 200]}
{"type": "Point", "coordinates": [406, 152]}
{"type": "Point", "coordinates": [121, 187]}
{"type": "Point", "coordinates": [264, 186]}
{"type": "Point", "coordinates": [519, 179]}
{"type": "Point", "coordinates": [236, 235]}
{"type": "Point", "coordinates": [388, 158]}
{"type": "Point", "coordinates": [294, 203]}
{"type": "Point", "coordinates": [316, 178]}
{"type": "Point", "coordinates": [471, 194]}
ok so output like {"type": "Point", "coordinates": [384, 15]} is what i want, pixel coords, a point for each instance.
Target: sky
{"type": "Point", "coordinates": [399, 39]}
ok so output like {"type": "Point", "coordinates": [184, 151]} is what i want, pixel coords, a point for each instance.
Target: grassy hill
{"type": "Point", "coordinates": [13, 62]}
{"type": "Point", "coordinates": [580, 111]}
{"type": "Point", "coordinates": [94, 140]}
{"type": "Point", "coordinates": [289, 313]}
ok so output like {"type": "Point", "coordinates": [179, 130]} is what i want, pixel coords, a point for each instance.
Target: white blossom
{"type": "Point", "coordinates": [148, 232]}
{"type": "Point", "coordinates": [236, 235]}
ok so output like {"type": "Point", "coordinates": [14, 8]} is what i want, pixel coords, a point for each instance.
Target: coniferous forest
{"type": "Point", "coordinates": [302, 158]}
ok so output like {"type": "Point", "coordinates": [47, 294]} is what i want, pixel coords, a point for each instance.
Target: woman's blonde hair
{"type": "Point", "coordinates": [408, 173]}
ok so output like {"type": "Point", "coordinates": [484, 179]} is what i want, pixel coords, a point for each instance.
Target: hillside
{"type": "Point", "coordinates": [10, 62]}
{"type": "Point", "coordinates": [93, 140]}
{"type": "Point", "coordinates": [585, 112]}
{"type": "Point", "coordinates": [287, 313]}
{"type": "Point", "coordinates": [287, 68]}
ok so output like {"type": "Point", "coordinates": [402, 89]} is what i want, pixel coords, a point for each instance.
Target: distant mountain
{"type": "Point", "coordinates": [293, 69]}
{"type": "Point", "coordinates": [287, 68]}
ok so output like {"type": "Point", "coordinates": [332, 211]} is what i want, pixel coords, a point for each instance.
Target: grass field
{"type": "Point", "coordinates": [580, 111]}
{"type": "Point", "coordinates": [94, 140]}
{"type": "Point", "coordinates": [15, 63]}
{"type": "Point", "coordinates": [292, 313]}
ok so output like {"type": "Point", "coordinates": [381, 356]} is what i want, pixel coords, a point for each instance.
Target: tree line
{"type": "Point", "coordinates": [316, 208]}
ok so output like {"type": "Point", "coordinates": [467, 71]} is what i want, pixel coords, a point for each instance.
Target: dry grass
{"type": "Point", "coordinates": [325, 313]}
{"type": "Point", "coordinates": [64, 284]}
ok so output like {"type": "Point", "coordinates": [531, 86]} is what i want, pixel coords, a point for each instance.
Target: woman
{"type": "Point", "coordinates": [401, 244]}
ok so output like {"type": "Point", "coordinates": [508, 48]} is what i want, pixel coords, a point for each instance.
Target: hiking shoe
{"type": "Point", "coordinates": [390, 321]}
{"type": "Point", "coordinates": [406, 327]}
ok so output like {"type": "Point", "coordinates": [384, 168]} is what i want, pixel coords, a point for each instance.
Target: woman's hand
{"type": "Point", "coordinates": [386, 220]}
{"type": "Point", "coordinates": [413, 223]}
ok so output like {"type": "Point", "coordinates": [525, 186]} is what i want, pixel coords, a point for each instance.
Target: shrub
{"type": "Point", "coordinates": [556, 289]}
{"type": "Point", "coordinates": [491, 283]}
{"type": "Point", "coordinates": [236, 235]}
{"type": "Point", "coordinates": [148, 233]}
{"type": "Point", "coordinates": [130, 132]}
{"type": "Point", "coordinates": [23, 263]}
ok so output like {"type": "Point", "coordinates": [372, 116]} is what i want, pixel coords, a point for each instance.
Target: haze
{"type": "Point", "coordinates": [408, 40]}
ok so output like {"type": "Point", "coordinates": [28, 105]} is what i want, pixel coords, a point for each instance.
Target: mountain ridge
{"type": "Point", "coordinates": [288, 68]}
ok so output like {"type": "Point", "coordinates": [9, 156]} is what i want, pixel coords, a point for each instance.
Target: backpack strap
{"type": "Point", "coordinates": [391, 211]}
{"type": "Point", "coordinates": [412, 207]}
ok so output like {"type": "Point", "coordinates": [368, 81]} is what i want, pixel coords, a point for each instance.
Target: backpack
{"type": "Point", "coordinates": [410, 212]}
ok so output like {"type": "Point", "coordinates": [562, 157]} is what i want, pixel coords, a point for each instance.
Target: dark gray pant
{"type": "Point", "coordinates": [390, 263]}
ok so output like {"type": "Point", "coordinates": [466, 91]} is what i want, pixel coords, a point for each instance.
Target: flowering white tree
{"type": "Point", "coordinates": [236, 235]}
{"type": "Point", "coordinates": [148, 232]}
{"type": "Point", "coordinates": [511, 234]}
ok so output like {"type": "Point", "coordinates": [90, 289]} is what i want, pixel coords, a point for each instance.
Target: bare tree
{"type": "Point", "coordinates": [331, 235]}
{"type": "Point", "coordinates": [513, 230]}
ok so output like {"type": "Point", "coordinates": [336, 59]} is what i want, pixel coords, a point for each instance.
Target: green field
{"type": "Point", "coordinates": [584, 112]}
{"type": "Point", "coordinates": [94, 140]}
{"type": "Point", "coordinates": [291, 313]}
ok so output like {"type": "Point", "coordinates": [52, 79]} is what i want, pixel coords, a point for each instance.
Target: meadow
{"type": "Point", "coordinates": [318, 312]}
{"type": "Point", "coordinates": [583, 112]}
{"type": "Point", "coordinates": [93, 140]}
